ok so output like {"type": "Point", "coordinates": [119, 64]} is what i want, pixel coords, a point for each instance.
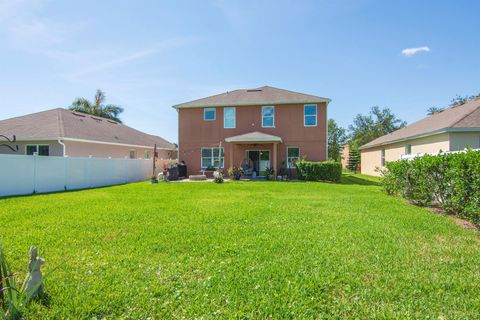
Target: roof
{"type": "Point", "coordinates": [465, 117]}
{"type": "Point", "coordinates": [258, 96]}
{"type": "Point", "coordinates": [254, 137]}
{"type": "Point", "coordinates": [69, 125]}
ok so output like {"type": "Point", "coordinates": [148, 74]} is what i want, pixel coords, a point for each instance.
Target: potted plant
{"type": "Point", "coordinates": [269, 173]}
{"type": "Point", "coordinates": [218, 176]}
{"type": "Point", "coordinates": [153, 179]}
{"type": "Point", "coordinates": [235, 172]}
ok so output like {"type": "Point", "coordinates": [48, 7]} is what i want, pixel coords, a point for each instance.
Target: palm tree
{"type": "Point", "coordinates": [109, 111]}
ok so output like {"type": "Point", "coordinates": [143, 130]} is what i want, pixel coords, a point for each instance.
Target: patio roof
{"type": "Point", "coordinates": [254, 137]}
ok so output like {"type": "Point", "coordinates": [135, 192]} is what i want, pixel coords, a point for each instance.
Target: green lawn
{"type": "Point", "coordinates": [244, 250]}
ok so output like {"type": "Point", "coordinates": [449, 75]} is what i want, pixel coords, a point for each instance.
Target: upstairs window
{"type": "Point", "coordinates": [209, 114]}
{"type": "Point", "coordinates": [212, 157]}
{"type": "Point", "coordinates": [293, 154]}
{"type": "Point", "coordinates": [229, 121]}
{"type": "Point", "coordinates": [38, 149]}
{"type": "Point", "coordinates": [310, 115]}
{"type": "Point", "coordinates": [268, 117]}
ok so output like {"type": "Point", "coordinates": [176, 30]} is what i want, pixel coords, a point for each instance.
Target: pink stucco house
{"type": "Point", "coordinates": [265, 127]}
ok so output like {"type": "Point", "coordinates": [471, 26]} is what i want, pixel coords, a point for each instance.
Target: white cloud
{"type": "Point", "coordinates": [408, 52]}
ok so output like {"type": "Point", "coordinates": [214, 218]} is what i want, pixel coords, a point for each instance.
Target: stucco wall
{"type": "Point", "coordinates": [195, 133]}
{"type": "Point", "coordinates": [55, 149]}
{"type": "Point", "coordinates": [460, 140]}
{"type": "Point", "coordinates": [371, 158]}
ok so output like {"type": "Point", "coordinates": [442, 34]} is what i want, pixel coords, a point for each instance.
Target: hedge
{"type": "Point", "coordinates": [451, 181]}
{"type": "Point", "coordinates": [319, 171]}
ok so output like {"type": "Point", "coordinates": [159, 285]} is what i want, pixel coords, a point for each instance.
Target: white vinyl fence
{"type": "Point", "coordinates": [21, 174]}
{"type": "Point", "coordinates": [412, 156]}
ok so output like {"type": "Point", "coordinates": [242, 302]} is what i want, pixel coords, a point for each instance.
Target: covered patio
{"type": "Point", "coordinates": [257, 150]}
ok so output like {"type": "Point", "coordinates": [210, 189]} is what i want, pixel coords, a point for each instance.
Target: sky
{"type": "Point", "coordinates": [150, 55]}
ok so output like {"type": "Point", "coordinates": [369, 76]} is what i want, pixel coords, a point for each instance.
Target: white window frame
{"type": "Point", "coordinates": [408, 146]}
{"type": "Point", "coordinates": [298, 158]}
{"type": "Point", "coordinates": [234, 117]}
{"type": "Point", "coordinates": [221, 151]}
{"type": "Point", "coordinates": [37, 146]}
{"type": "Point", "coordinates": [214, 114]}
{"type": "Point", "coordinates": [310, 115]}
{"type": "Point", "coordinates": [273, 117]}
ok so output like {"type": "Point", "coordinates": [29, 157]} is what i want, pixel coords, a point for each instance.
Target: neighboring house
{"type": "Point", "coordinates": [265, 127]}
{"type": "Point", "coordinates": [454, 129]}
{"type": "Point", "coordinates": [344, 155]}
{"type": "Point", "coordinates": [61, 132]}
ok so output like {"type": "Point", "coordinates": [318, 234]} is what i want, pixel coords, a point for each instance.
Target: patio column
{"type": "Point", "coordinates": [230, 154]}
{"type": "Point", "coordinates": [275, 158]}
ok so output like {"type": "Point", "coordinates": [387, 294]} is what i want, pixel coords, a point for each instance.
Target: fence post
{"type": "Point", "coordinates": [34, 172]}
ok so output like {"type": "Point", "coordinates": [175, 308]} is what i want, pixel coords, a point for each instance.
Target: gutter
{"type": "Point", "coordinates": [63, 139]}
{"type": "Point", "coordinates": [64, 147]}
{"type": "Point", "coordinates": [258, 103]}
{"type": "Point", "coordinates": [420, 135]}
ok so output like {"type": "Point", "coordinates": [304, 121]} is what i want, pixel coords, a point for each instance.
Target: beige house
{"type": "Point", "coordinates": [454, 129]}
{"type": "Point", "coordinates": [61, 132]}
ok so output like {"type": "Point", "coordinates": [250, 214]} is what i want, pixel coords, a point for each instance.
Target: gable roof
{"type": "Point", "coordinates": [69, 125]}
{"type": "Point", "coordinates": [258, 96]}
{"type": "Point", "coordinates": [465, 117]}
{"type": "Point", "coordinates": [255, 136]}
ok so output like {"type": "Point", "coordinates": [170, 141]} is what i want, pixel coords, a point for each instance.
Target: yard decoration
{"type": "Point", "coordinates": [218, 176]}
{"type": "Point", "coordinates": [34, 279]}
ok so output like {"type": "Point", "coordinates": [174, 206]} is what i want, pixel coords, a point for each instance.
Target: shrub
{"type": "Point", "coordinates": [217, 176]}
{"type": "Point", "coordinates": [451, 181]}
{"type": "Point", "coordinates": [316, 171]}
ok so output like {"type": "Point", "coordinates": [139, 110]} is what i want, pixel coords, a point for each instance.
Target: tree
{"type": "Point", "coordinates": [109, 111]}
{"type": "Point", "coordinates": [337, 137]}
{"type": "Point", "coordinates": [353, 159]}
{"type": "Point", "coordinates": [377, 123]}
{"type": "Point", "coordinates": [434, 110]}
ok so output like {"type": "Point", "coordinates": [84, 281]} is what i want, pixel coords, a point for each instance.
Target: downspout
{"type": "Point", "coordinates": [64, 147]}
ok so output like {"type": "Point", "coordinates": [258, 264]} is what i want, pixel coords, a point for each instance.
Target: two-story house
{"type": "Point", "coordinates": [266, 127]}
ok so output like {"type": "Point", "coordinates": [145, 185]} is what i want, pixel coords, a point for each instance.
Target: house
{"type": "Point", "coordinates": [257, 128]}
{"type": "Point", "coordinates": [453, 129]}
{"type": "Point", "coordinates": [61, 132]}
{"type": "Point", "coordinates": [345, 155]}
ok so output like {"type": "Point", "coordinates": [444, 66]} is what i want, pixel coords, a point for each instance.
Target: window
{"type": "Point", "coordinates": [408, 149]}
{"type": "Point", "coordinates": [293, 154]}
{"type": "Point", "coordinates": [39, 149]}
{"type": "Point", "coordinates": [268, 117]}
{"type": "Point", "coordinates": [209, 114]}
{"type": "Point", "coordinates": [229, 121]}
{"type": "Point", "coordinates": [382, 159]}
{"type": "Point", "coordinates": [212, 157]}
{"type": "Point", "coordinates": [310, 115]}
{"type": "Point", "coordinates": [147, 154]}
{"type": "Point", "coordinates": [133, 154]}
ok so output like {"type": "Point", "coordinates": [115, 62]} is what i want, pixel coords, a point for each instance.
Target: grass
{"type": "Point", "coordinates": [244, 250]}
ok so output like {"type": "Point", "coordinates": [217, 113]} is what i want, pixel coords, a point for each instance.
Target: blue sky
{"type": "Point", "coordinates": [150, 55]}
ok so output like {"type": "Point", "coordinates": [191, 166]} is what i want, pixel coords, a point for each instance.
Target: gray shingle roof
{"type": "Point", "coordinates": [257, 96]}
{"type": "Point", "coordinates": [63, 123]}
{"type": "Point", "coordinates": [466, 116]}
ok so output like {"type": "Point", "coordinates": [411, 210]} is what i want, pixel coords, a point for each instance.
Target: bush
{"type": "Point", "coordinates": [451, 181]}
{"type": "Point", "coordinates": [316, 171]}
{"type": "Point", "coordinates": [218, 176]}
